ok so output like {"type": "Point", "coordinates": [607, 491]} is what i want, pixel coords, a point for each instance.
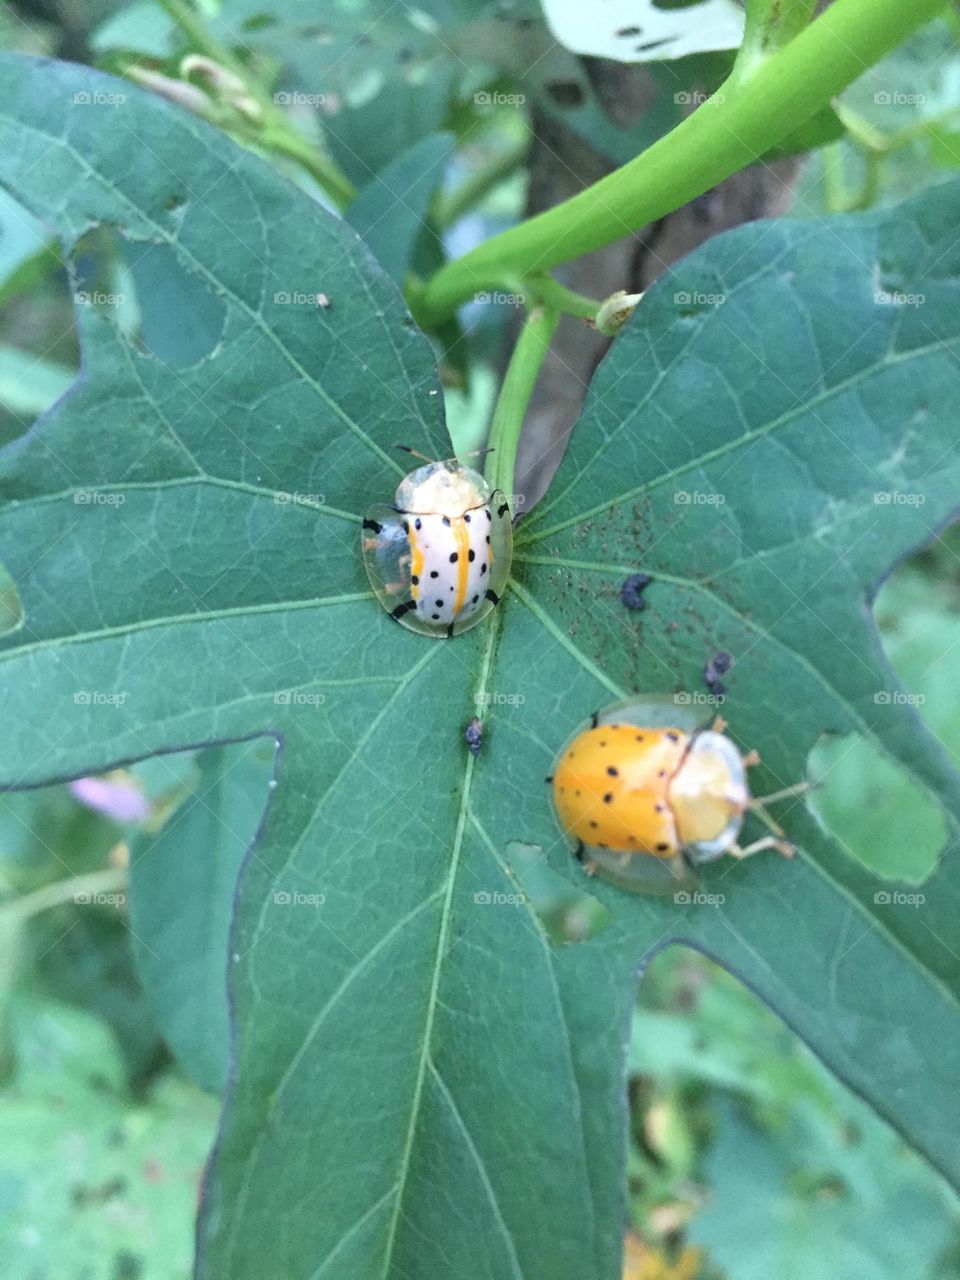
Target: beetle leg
{"type": "Point", "coordinates": [719, 725]}
{"type": "Point", "coordinates": [783, 847]}
{"type": "Point", "coordinates": [751, 759]}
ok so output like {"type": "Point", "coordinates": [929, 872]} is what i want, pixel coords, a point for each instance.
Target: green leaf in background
{"type": "Point", "coordinates": [211, 591]}
{"type": "Point", "coordinates": [390, 211]}
{"type": "Point", "coordinates": [29, 386]}
{"type": "Point", "coordinates": [94, 1186]}
{"type": "Point", "coordinates": [182, 884]}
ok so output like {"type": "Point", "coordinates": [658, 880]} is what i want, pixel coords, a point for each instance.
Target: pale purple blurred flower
{"type": "Point", "coordinates": [117, 798]}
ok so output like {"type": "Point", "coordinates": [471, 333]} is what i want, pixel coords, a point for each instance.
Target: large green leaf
{"type": "Point", "coordinates": [422, 1084]}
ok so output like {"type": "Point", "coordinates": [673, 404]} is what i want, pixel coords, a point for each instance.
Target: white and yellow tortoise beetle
{"type": "Point", "coordinates": [439, 558]}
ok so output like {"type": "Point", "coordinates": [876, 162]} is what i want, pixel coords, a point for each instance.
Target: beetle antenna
{"type": "Point", "coordinates": [413, 452]}
{"type": "Point", "coordinates": [480, 453]}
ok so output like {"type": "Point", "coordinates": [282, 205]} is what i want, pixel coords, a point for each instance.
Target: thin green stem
{"type": "Point", "coordinates": [756, 108]}
{"type": "Point", "coordinates": [511, 407]}
{"type": "Point", "coordinates": [276, 133]}
{"type": "Point", "coordinates": [448, 209]}
{"type": "Point", "coordinates": [556, 295]}
{"type": "Point", "coordinates": [75, 889]}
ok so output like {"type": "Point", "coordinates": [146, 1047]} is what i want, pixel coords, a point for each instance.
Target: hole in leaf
{"type": "Point", "coordinates": [568, 914]}
{"type": "Point", "coordinates": [180, 318]}
{"type": "Point", "coordinates": [877, 813]}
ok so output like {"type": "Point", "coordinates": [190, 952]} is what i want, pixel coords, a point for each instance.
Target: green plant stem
{"type": "Point", "coordinates": [62, 892]}
{"type": "Point", "coordinates": [277, 133]}
{"type": "Point", "coordinates": [757, 107]}
{"type": "Point", "coordinates": [511, 407]}
{"type": "Point", "coordinates": [553, 294]}
{"type": "Point", "coordinates": [448, 209]}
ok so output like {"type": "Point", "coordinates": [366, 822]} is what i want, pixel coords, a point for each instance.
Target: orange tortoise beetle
{"type": "Point", "coordinates": [647, 793]}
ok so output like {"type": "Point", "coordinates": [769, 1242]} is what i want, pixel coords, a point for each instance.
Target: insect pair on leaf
{"type": "Point", "coordinates": [645, 791]}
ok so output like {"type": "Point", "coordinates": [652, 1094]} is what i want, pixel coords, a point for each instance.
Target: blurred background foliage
{"type": "Point", "coordinates": [746, 1159]}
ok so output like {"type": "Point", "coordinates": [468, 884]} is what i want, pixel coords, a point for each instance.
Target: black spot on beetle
{"type": "Point", "coordinates": [439, 604]}
{"type": "Point", "coordinates": [446, 521]}
{"type": "Point", "coordinates": [454, 557]}
{"type": "Point", "coordinates": [662, 848]}
{"type": "Point", "coordinates": [435, 617]}
{"type": "Point", "coordinates": [415, 580]}
{"type": "Point", "coordinates": [613, 771]}
{"type": "Point", "coordinates": [548, 778]}
{"type": "Point", "coordinates": [502, 508]}
{"type": "Point", "coordinates": [471, 555]}
{"type": "Point", "coordinates": [434, 573]}
{"type": "Point", "coordinates": [608, 798]}
{"type": "Point", "coordinates": [594, 824]}
{"type": "Point", "coordinates": [475, 599]}
{"type": "Point", "coordinates": [406, 526]}
{"type": "Point", "coordinates": [674, 737]}
{"type": "Point", "coordinates": [373, 526]}
{"type": "Point", "coordinates": [417, 524]}
{"type": "Point", "coordinates": [631, 593]}
{"type": "Point", "coordinates": [483, 570]}
{"type": "Point", "coordinates": [466, 516]}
